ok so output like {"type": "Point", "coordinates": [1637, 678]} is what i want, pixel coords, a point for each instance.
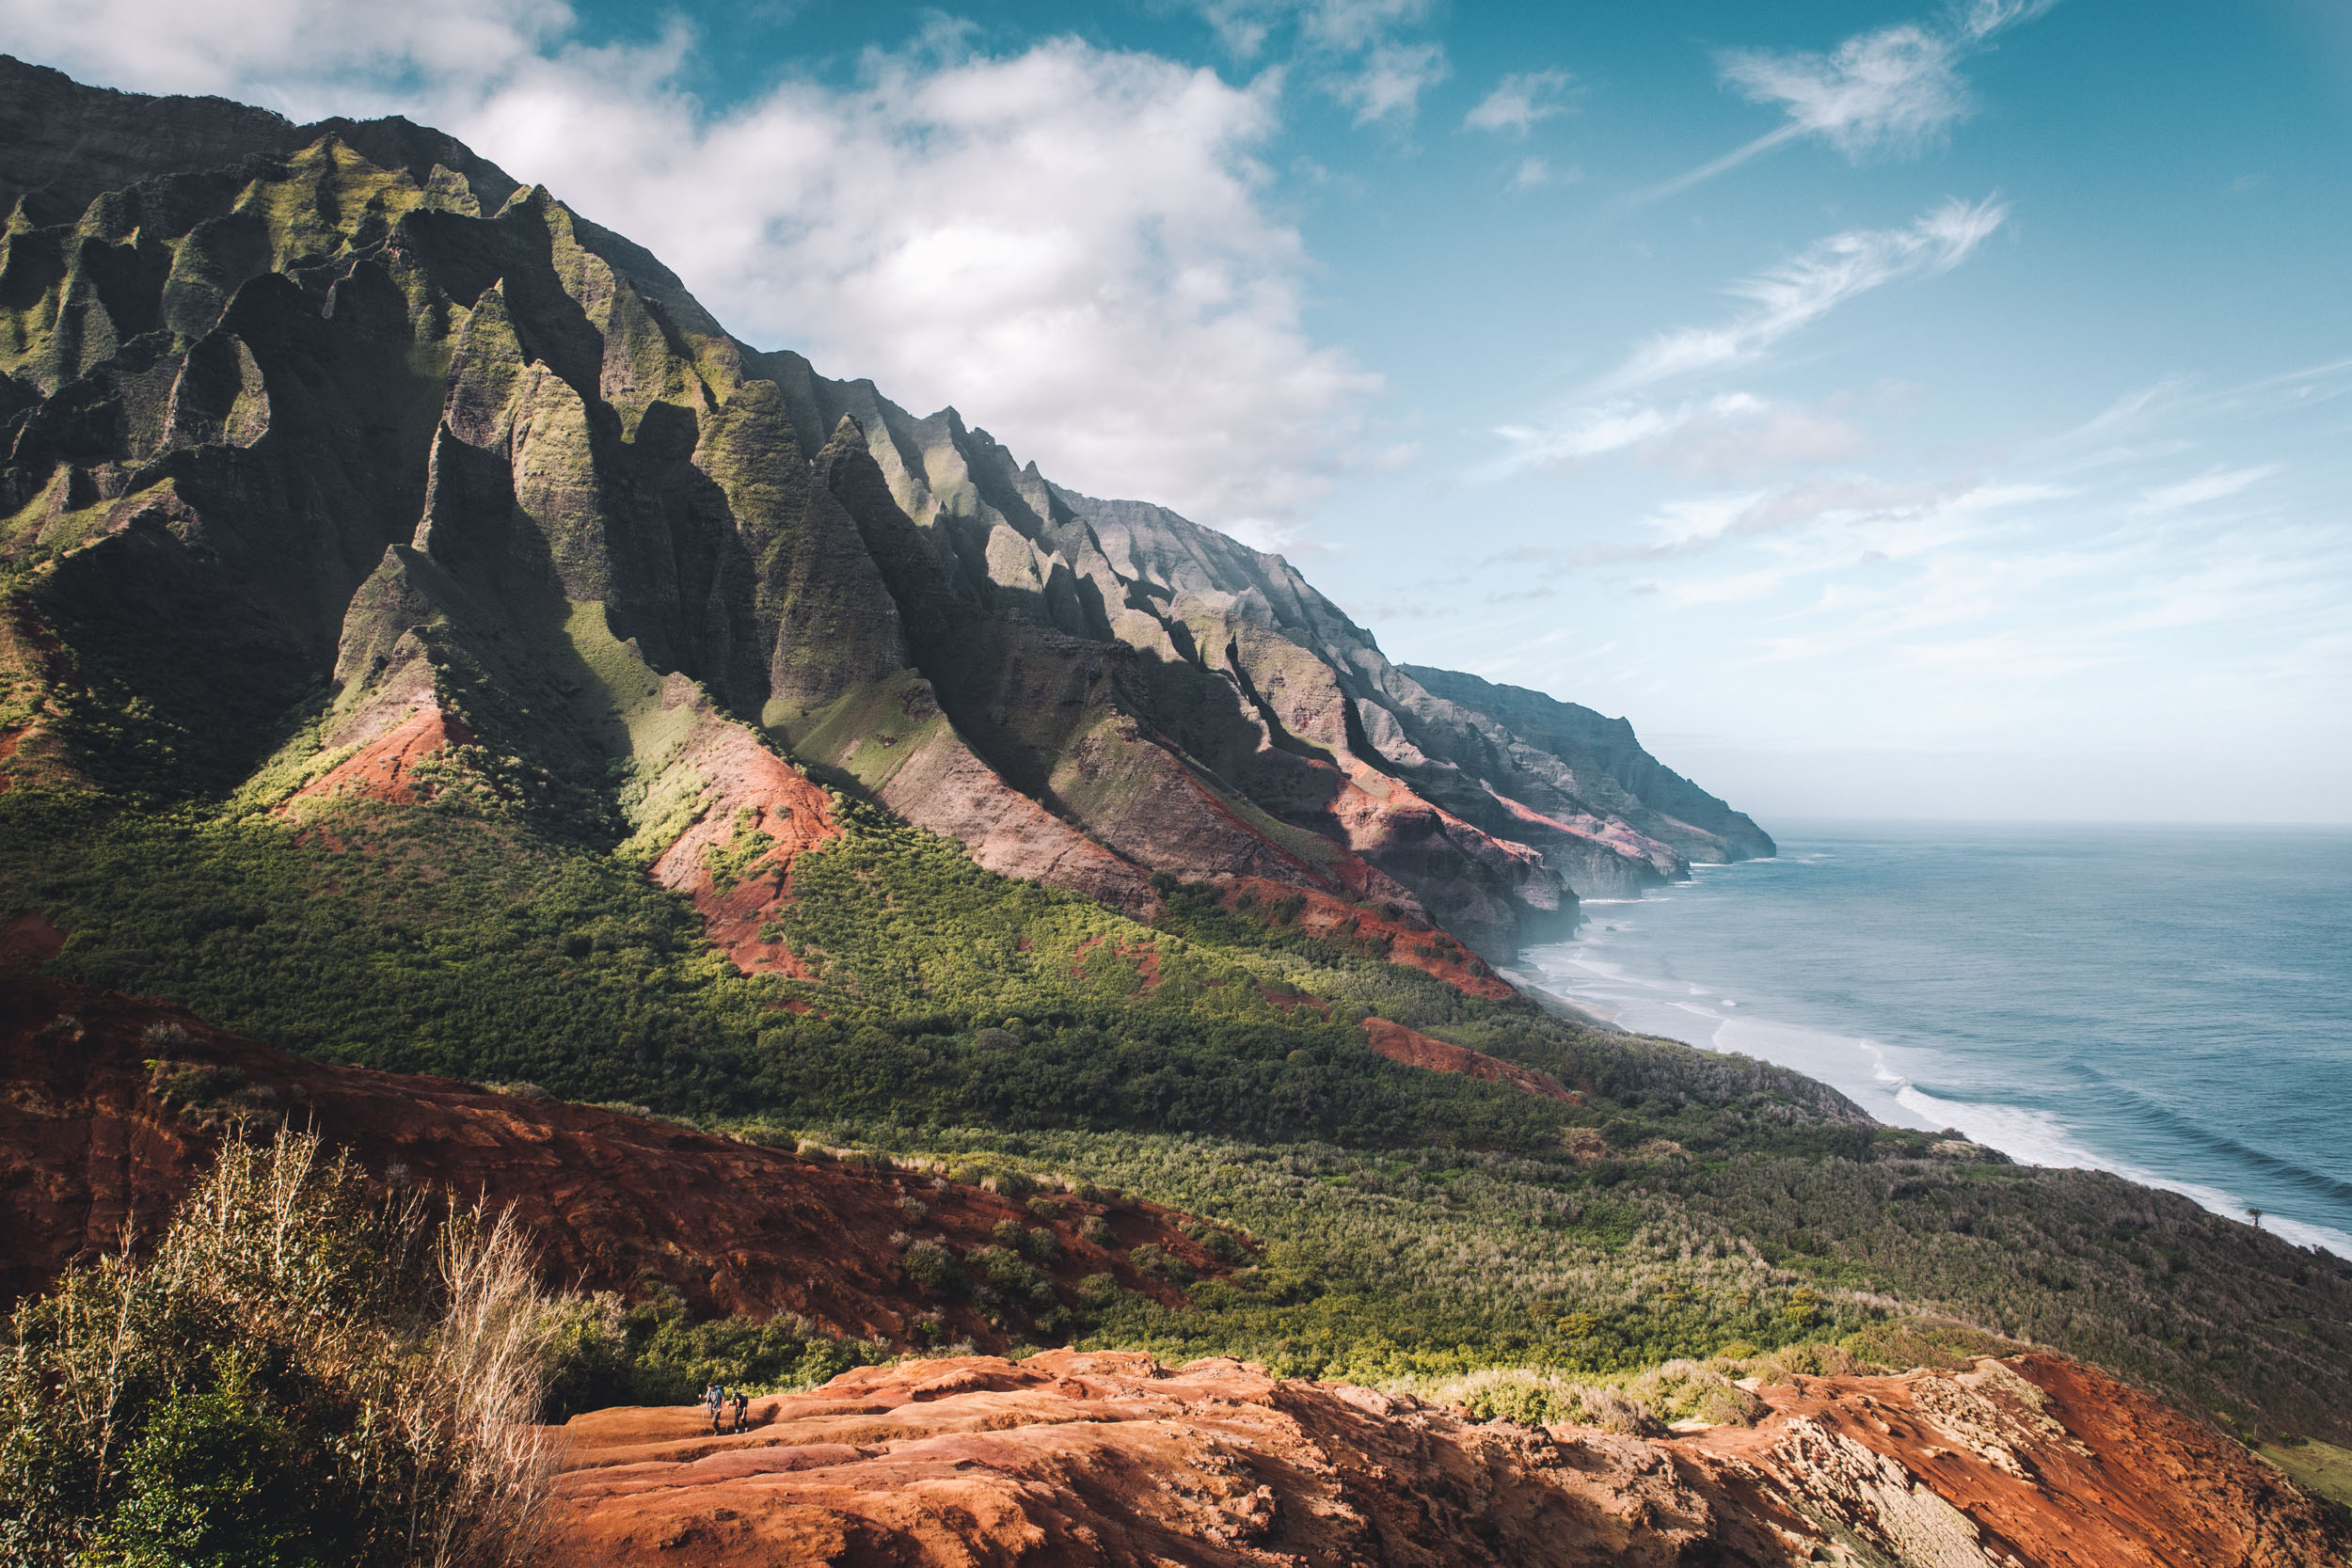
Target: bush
{"type": "Point", "coordinates": [1219, 1243]}
{"type": "Point", "coordinates": [1156, 1260]}
{"type": "Point", "coordinates": [932, 1266]}
{"type": "Point", "coordinates": [1686, 1391]}
{"type": "Point", "coordinates": [1005, 1271]}
{"type": "Point", "coordinates": [1532, 1398]}
{"type": "Point", "coordinates": [303, 1374]}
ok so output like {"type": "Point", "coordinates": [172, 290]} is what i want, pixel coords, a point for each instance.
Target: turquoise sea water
{"type": "Point", "coordinates": [2174, 1004]}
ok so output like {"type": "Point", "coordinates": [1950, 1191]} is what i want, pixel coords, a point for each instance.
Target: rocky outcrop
{"type": "Point", "coordinates": [342, 406]}
{"type": "Point", "coordinates": [1618, 775]}
{"type": "Point", "coordinates": [110, 1107]}
{"type": "Point", "coordinates": [1071, 1458]}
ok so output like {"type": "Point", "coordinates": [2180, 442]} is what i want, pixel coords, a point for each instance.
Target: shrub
{"type": "Point", "coordinates": [1095, 1228]}
{"type": "Point", "coordinates": [931, 1264]}
{"type": "Point", "coordinates": [1220, 1243]}
{"type": "Point", "coordinates": [303, 1374]}
{"type": "Point", "coordinates": [1156, 1260]}
{"type": "Point", "coordinates": [1686, 1391]}
{"type": "Point", "coordinates": [603, 1352]}
{"type": "Point", "coordinates": [1532, 1398]}
{"type": "Point", "coordinates": [1007, 1272]}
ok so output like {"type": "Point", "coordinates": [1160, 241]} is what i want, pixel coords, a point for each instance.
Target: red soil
{"type": "Point", "coordinates": [1368, 930]}
{"type": "Point", "coordinates": [380, 769]}
{"type": "Point", "coordinates": [2043, 1461]}
{"type": "Point", "coordinates": [1145, 957]}
{"type": "Point", "coordinates": [1071, 1458]}
{"type": "Point", "coordinates": [29, 942]}
{"type": "Point", "coordinates": [1342, 871]}
{"type": "Point", "coordinates": [88, 1152]}
{"type": "Point", "coordinates": [1626, 840]}
{"type": "Point", "coordinates": [1414, 1049]}
{"type": "Point", "coordinates": [747, 789]}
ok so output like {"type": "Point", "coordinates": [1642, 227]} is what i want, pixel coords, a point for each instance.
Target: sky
{"type": "Point", "coordinates": [1928, 410]}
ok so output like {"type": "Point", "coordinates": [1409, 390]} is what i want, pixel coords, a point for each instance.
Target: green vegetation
{"type": "Point", "coordinates": [1413, 1225]}
{"type": "Point", "coordinates": [305, 1373]}
{"type": "Point", "coordinates": [1439, 1261]}
{"type": "Point", "coordinates": [2322, 1469]}
{"type": "Point", "coordinates": [604, 1351]}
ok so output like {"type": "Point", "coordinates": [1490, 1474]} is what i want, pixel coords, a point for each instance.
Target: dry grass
{"type": "Point", "coordinates": [388, 1352]}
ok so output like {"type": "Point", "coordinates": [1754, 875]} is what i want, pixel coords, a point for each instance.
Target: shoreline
{"type": "Point", "coordinates": [1663, 997]}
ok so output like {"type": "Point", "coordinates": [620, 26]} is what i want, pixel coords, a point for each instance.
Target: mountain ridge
{"type": "Point", "coordinates": [893, 601]}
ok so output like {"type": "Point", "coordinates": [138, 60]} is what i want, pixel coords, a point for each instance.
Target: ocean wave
{"type": "Point", "coordinates": [2188, 1130]}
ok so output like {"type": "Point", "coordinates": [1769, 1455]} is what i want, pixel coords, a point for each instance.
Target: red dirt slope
{"type": "Point", "coordinates": [748, 795]}
{"type": "Point", "coordinates": [88, 1147]}
{"type": "Point", "coordinates": [1415, 1048]}
{"type": "Point", "coordinates": [1070, 1458]}
{"type": "Point", "coordinates": [1399, 941]}
{"type": "Point", "coordinates": [380, 769]}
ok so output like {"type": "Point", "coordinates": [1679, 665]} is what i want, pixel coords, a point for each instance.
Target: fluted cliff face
{"type": "Point", "coordinates": [324, 439]}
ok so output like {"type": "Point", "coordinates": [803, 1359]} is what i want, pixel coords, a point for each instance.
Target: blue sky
{"type": "Point", "coordinates": [1896, 410]}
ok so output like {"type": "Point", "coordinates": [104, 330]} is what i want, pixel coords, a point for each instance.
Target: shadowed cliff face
{"type": "Point", "coordinates": [335, 431]}
{"type": "Point", "coordinates": [1075, 1458]}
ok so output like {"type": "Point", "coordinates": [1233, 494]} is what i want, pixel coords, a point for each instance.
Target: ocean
{"type": "Point", "coordinates": [2172, 1003]}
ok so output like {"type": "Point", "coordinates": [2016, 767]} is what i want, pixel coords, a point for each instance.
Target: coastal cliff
{"type": "Point", "coordinates": [339, 419]}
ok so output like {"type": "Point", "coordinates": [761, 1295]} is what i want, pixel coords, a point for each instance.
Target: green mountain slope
{"type": "Point", "coordinates": [428, 640]}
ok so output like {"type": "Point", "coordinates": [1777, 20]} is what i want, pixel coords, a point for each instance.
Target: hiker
{"type": "Point", "coordinates": [714, 1397]}
{"type": "Point", "coordinates": [742, 1403]}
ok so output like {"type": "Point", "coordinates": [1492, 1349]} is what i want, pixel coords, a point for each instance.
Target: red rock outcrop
{"type": "Point", "coordinates": [1070, 1458]}
{"type": "Point", "coordinates": [1368, 929]}
{"type": "Point", "coordinates": [1415, 1048]}
{"type": "Point", "coordinates": [94, 1143]}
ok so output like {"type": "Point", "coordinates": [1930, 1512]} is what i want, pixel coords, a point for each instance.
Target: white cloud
{"type": "Point", "coordinates": [1984, 17]}
{"type": "Point", "coordinates": [1892, 92]}
{"type": "Point", "coordinates": [1071, 245]}
{"type": "Point", "coordinates": [1346, 24]}
{"type": "Point", "coordinates": [1889, 91]}
{"type": "Point", "coordinates": [1824, 276]}
{"type": "Point", "coordinates": [2211, 486]}
{"type": "Point", "coordinates": [1355, 50]}
{"type": "Point", "coordinates": [283, 50]}
{"type": "Point", "coordinates": [1852, 499]}
{"type": "Point", "coordinates": [1732, 433]}
{"type": "Point", "coordinates": [1743, 435]}
{"type": "Point", "coordinates": [1520, 102]}
{"type": "Point", "coordinates": [1386, 88]}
